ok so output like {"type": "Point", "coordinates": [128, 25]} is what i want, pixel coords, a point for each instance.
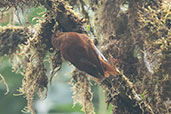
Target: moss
{"type": "Point", "coordinates": [29, 50]}
{"type": "Point", "coordinates": [146, 26]}
{"type": "Point", "coordinates": [30, 61]}
{"type": "Point", "coordinates": [56, 63]}
{"type": "Point", "coordinates": [156, 35]}
{"type": "Point", "coordinates": [11, 37]}
{"type": "Point", "coordinates": [82, 92]}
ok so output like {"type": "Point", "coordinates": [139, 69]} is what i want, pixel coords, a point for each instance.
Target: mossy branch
{"type": "Point", "coordinates": [146, 108]}
{"type": "Point", "coordinates": [35, 44]}
{"type": "Point", "coordinates": [29, 47]}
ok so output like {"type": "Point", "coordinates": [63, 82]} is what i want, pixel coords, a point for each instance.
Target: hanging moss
{"type": "Point", "coordinates": [11, 37]}
{"type": "Point", "coordinates": [82, 92]}
{"type": "Point", "coordinates": [33, 69]}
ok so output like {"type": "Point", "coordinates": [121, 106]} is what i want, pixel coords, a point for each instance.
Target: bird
{"type": "Point", "coordinates": [79, 50]}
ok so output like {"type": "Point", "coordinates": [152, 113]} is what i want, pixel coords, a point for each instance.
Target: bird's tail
{"type": "Point", "coordinates": [109, 69]}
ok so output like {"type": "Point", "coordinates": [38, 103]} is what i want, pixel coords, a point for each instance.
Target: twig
{"type": "Point", "coordinates": [3, 80]}
{"type": "Point", "coordinates": [18, 17]}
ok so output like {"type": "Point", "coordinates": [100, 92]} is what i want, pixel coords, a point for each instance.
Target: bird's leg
{"type": "Point", "coordinates": [56, 64]}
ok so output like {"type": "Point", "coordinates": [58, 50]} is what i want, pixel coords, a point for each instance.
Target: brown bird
{"type": "Point", "coordinates": [80, 51]}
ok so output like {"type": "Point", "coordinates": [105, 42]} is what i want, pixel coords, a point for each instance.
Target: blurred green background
{"type": "Point", "coordinates": [59, 99]}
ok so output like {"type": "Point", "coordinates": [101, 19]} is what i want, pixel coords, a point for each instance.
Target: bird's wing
{"type": "Point", "coordinates": [85, 59]}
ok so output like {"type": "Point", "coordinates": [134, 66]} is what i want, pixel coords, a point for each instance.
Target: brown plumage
{"type": "Point", "coordinates": [80, 51]}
